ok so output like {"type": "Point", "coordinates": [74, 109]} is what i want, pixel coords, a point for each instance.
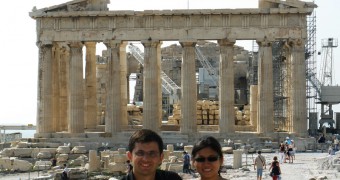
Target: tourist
{"type": "Point", "coordinates": [129, 166]}
{"type": "Point", "coordinates": [322, 139]}
{"type": "Point", "coordinates": [275, 170]}
{"type": "Point", "coordinates": [207, 158]}
{"type": "Point", "coordinates": [186, 162]}
{"type": "Point", "coordinates": [282, 152]}
{"type": "Point", "coordinates": [259, 163]}
{"type": "Point", "coordinates": [336, 143]}
{"type": "Point", "coordinates": [145, 152]}
{"type": "Point", "coordinates": [64, 175]}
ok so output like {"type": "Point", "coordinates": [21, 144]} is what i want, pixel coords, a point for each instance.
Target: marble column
{"type": "Point", "coordinates": [226, 87]}
{"type": "Point", "coordinates": [91, 86]}
{"type": "Point", "coordinates": [44, 94]}
{"type": "Point", "coordinates": [265, 88]}
{"type": "Point", "coordinates": [55, 87]}
{"type": "Point", "coordinates": [113, 113]}
{"type": "Point", "coordinates": [298, 86]}
{"type": "Point", "coordinates": [152, 90]}
{"type": "Point", "coordinates": [189, 88]}
{"type": "Point", "coordinates": [63, 85]}
{"type": "Point", "coordinates": [253, 105]}
{"type": "Point", "coordinates": [76, 89]}
{"type": "Point", "coordinates": [124, 84]}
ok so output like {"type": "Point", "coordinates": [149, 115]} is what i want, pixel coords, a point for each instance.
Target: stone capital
{"type": "Point", "coordinates": [151, 43]}
{"type": "Point", "coordinates": [75, 44]}
{"type": "Point", "coordinates": [90, 44]}
{"type": "Point", "coordinates": [226, 42]}
{"type": "Point", "coordinates": [188, 42]}
{"type": "Point", "coordinates": [113, 43]}
{"type": "Point", "coordinates": [295, 42]}
{"type": "Point", "coordinates": [264, 42]}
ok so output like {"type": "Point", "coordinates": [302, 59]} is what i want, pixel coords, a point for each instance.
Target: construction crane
{"type": "Point", "coordinates": [207, 66]}
{"type": "Point", "coordinates": [168, 85]}
{"type": "Point", "coordinates": [327, 93]}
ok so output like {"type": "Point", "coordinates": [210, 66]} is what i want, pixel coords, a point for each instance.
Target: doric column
{"type": "Point", "coordinates": [91, 86]}
{"type": "Point", "coordinates": [152, 96]}
{"type": "Point", "coordinates": [226, 87]}
{"type": "Point", "coordinates": [298, 87]}
{"type": "Point", "coordinates": [113, 113]}
{"type": "Point", "coordinates": [265, 88]}
{"type": "Point", "coordinates": [55, 87]}
{"type": "Point", "coordinates": [253, 104]}
{"type": "Point", "coordinates": [44, 99]}
{"type": "Point", "coordinates": [63, 85]}
{"type": "Point", "coordinates": [76, 93]}
{"type": "Point", "coordinates": [189, 88]}
{"type": "Point", "coordinates": [124, 83]}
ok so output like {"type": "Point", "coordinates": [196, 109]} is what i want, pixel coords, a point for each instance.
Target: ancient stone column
{"type": "Point", "coordinates": [113, 114]}
{"type": "Point", "coordinates": [55, 87]}
{"type": "Point", "coordinates": [90, 86]}
{"type": "Point", "coordinates": [63, 85]}
{"type": "Point", "coordinates": [298, 86]}
{"type": "Point", "coordinates": [226, 87]}
{"type": "Point", "coordinates": [189, 88]}
{"type": "Point", "coordinates": [44, 106]}
{"type": "Point", "coordinates": [76, 93]}
{"type": "Point", "coordinates": [253, 105]}
{"type": "Point", "coordinates": [152, 104]}
{"type": "Point", "coordinates": [265, 106]}
{"type": "Point", "coordinates": [123, 84]}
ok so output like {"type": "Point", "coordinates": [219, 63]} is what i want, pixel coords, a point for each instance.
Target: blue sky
{"type": "Point", "coordinates": [19, 54]}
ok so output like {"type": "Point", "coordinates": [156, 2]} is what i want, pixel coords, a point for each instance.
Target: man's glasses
{"type": "Point", "coordinates": [209, 159]}
{"type": "Point", "coordinates": [151, 154]}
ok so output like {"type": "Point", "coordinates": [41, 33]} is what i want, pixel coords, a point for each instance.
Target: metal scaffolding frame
{"type": "Point", "coordinates": [310, 55]}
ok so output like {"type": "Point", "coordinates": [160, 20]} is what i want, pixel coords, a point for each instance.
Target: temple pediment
{"type": "Point", "coordinates": [291, 4]}
{"type": "Point", "coordinates": [75, 5]}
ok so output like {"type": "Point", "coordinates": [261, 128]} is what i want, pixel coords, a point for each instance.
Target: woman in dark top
{"type": "Point", "coordinates": [275, 170]}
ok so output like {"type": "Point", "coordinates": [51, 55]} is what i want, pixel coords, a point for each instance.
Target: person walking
{"type": "Point", "coordinates": [260, 164]}
{"type": "Point", "coordinates": [186, 162]}
{"type": "Point", "coordinates": [275, 170]}
{"type": "Point", "coordinates": [282, 153]}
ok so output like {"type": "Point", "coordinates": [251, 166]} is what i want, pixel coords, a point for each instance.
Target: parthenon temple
{"type": "Point", "coordinates": [84, 95]}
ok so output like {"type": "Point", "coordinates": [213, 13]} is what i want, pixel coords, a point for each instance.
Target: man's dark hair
{"type": "Point", "coordinates": [145, 136]}
{"type": "Point", "coordinates": [259, 152]}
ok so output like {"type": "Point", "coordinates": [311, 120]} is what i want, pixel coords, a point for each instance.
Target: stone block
{"type": "Point", "coordinates": [23, 152]}
{"type": "Point", "coordinates": [44, 155]}
{"type": "Point", "coordinates": [63, 150]}
{"type": "Point", "coordinates": [5, 163]}
{"type": "Point", "coordinates": [120, 158]}
{"type": "Point", "coordinates": [79, 150]}
{"type": "Point", "coordinates": [175, 167]}
{"type": "Point", "coordinates": [42, 165]}
{"type": "Point", "coordinates": [116, 167]}
{"type": "Point", "coordinates": [7, 152]}
{"type": "Point", "coordinates": [228, 150]}
{"type": "Point", "coordinates": [77, 173]}
{"type": "Point", "coordinates": [121, 151]}
{"type": "Point", "coordinates": [35, 151]}
{"type": "Point", "coordinates": [21, 165]}
{"type": "Point", "coordinates": [62, 157]}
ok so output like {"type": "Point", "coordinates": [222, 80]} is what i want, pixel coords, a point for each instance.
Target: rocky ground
{"type": "Point", "coordinates": [306, 166]}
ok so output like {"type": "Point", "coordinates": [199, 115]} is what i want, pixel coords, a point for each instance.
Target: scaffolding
{"type": "Point", "coordinates": [310, 55]}
{"type": "Point", "coordinates": [279, 88]}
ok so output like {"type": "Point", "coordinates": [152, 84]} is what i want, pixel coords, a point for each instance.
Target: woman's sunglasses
{"type": "Point", "coordinates": [209, 159]}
